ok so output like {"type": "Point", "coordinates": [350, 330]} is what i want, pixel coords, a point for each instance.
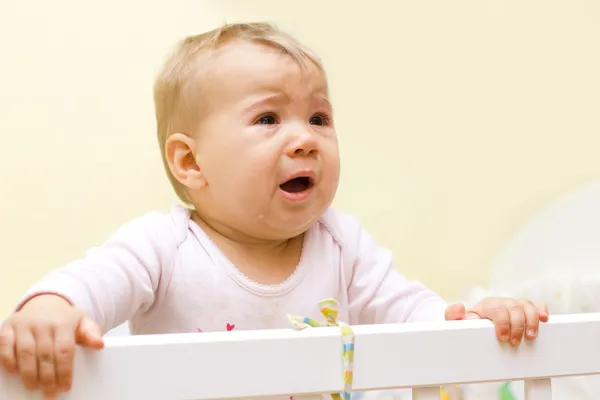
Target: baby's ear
{"type": "Point", "coordinates": [181, 158]}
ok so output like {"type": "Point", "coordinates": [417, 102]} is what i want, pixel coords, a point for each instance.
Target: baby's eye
{"type": "Point", "coordinates": [319, 120]}
{"type": "Point", "coordinates": [266, 120]}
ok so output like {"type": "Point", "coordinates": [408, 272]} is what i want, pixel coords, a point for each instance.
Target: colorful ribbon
{"type": "Point", "coordinates": [329, 309]}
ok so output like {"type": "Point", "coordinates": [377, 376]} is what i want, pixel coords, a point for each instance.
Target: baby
{"type": "Point", "coordinates": [248, 139]}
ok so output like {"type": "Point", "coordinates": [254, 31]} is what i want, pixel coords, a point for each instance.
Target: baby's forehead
{"type": "Point", "coordinates": [260, 65]}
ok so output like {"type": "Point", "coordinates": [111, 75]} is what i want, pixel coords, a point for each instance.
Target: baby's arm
{"type": "Point", "coordinates": [110, 284]}
{"type": "Point", "coordinates": [120, 278]}
{"type": "Point", "coordinates": [378, 293]}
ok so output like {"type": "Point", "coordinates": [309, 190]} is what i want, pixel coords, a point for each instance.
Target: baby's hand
{"type": "Point", "coordinates": [39, 342]}
{"type": "Point", "coordinates": [511, 317]}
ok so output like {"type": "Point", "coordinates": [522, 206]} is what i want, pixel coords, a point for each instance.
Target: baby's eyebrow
{"type": "Point", "coordinates": [323, 99]}
{"type": "Point", "coordinates": [259, 101]}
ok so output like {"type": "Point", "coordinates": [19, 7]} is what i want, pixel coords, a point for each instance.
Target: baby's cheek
{"type": "Point", "coordinates": [331, 178]}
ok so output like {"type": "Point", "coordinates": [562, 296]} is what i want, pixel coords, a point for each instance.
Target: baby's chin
{"type": "Point", "coordinates": [283, 226]}
{"type": "Point", "coordinates": [298, 223]}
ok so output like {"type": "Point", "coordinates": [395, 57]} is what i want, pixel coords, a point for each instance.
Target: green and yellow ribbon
{"type": "Point", "coordinates": [329, 309]}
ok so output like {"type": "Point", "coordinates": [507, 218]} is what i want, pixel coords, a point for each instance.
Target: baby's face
{"type": "Point", "coordinates": [267, 148]}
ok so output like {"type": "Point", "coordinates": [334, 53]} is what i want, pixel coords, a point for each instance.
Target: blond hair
{"type": "Point", "coordinates": [177, 85]}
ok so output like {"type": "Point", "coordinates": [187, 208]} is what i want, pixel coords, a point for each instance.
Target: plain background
{"type": "Point", "coordinates": [457, 120]}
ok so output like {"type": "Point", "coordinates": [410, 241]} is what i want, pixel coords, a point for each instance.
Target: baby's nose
{"type": "Point", "coordinates": [304, 148]}
{"type": "Point", "coordinates": [304, 145]}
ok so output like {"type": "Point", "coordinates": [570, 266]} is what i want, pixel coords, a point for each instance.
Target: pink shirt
{"type": "Point", "coordinates": [164, 274]}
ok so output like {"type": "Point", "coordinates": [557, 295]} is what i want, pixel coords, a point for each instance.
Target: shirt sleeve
{"type": "Point", "coordinates": [379, 293]}
{"type": "Point", "coordinates": [120, 278]}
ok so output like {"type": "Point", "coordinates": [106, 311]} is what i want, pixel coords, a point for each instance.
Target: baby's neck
{"type": "Point", "coordinates": [264, 261]}
{"type": "Point", "coordinates": [230, 234]}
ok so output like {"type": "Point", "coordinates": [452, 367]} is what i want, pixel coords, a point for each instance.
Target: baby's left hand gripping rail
{"type": "Point", "coordinates": [282, 362]}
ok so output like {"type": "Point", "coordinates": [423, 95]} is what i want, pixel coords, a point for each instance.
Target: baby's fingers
{"type": "Point", "coordinates": [501, 320]}
{"type": "Point", "coordinates": [532, 319]}
{"type": "Point", "coordinates": [89, 334]}
{"type": "Point", "coordinates": [64, 352]}
{"type": "Point", "coordinates": [543, 313]}
{"type": "Point", "coordinates": [26, 350]}
{"type": "Point", "coordinates": [517, 323]}
{"type": "Point", "coordinates": [7, 348]}
{"type": "Point", "coordinates": [44, 337]}
{"type": "Point", "coordinates": [455, 312]}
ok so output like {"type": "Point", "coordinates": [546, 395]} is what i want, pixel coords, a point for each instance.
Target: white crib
{"type": "Point", "coordinates": [282, 362]}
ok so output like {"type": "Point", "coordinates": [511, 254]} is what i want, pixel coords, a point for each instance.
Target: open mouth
{"type": "Point", "coordinates": [297, 185]}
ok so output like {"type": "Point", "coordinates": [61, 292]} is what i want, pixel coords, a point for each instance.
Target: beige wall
{"type": "Point", "coordinates": [457, 120]}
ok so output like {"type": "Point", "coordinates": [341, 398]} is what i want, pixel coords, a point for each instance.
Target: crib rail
{"type": "Point", "coordinates": [282, 362]}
